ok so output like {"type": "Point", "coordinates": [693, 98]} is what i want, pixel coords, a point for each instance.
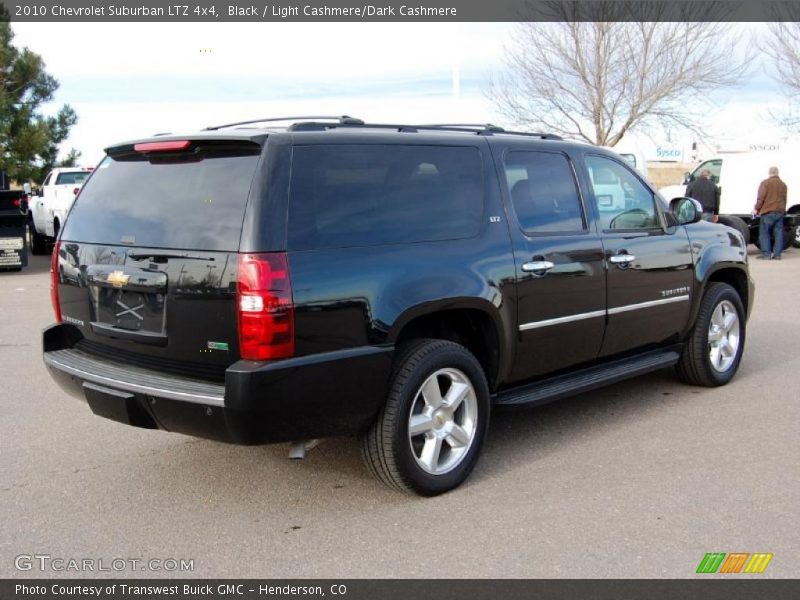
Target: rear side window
{"type": "Point", "coordinates": [543, 192]}
{"type": "Point", "coordinates": [368, 195]}
{"type": "Point", "coordinates": [71, 178]}
{"type": "Point", "coordinates": [188, 200]}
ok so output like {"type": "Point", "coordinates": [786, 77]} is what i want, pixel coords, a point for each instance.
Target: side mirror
{"type": "Point", "coordinates": [26, 187]}
{"type": "Point", "coordinates": [686, 210]}
{"type": "Point", "coordinates": [687, 178]}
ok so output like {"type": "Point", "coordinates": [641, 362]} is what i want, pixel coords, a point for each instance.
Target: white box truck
{"type": "Point", "coordinates": [738, 175]}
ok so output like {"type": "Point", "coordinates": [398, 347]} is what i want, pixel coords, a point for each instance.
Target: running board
{"type": "Point", "coordinates": [590, 378]}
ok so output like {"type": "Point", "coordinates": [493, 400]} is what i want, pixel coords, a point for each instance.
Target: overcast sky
{"type": "Point", "coordinates": [133, 80]}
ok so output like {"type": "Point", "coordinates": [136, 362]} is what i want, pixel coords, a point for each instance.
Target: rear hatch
{"type": "Point", "coordinates": [147, 260]}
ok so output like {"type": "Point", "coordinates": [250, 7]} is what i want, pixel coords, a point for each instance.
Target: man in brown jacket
{"type": "Point", "coordinates": [771, 206]}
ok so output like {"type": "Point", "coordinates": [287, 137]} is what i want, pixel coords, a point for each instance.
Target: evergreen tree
{"type": "Point", "coordinates": [29, 140]}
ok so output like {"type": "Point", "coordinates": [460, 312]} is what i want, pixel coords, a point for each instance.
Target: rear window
{"type": "Point", "coordinates": [71, 178]}
{"type": "Point", "coordinates": [371, 195]}
{"type": "Point", "coordinates": [191, 200]}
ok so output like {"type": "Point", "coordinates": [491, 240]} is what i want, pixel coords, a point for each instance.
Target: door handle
{"type": "Point", "coordinates": [537, 266]}
{"type": "Point", "coordinates": [622, 259]}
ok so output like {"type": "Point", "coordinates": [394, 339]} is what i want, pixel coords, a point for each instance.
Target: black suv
{"type": "Point", "coordinates": [258, 284]}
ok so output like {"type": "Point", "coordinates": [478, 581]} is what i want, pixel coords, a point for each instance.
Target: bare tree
{"type": "Point", "coordinates": [782, 46]}
{"type": "Point", "coordinates": [599, 80]}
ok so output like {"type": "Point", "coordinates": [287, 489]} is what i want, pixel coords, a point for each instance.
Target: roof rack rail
{"type": "Point", "coordinates": [490, 128]}
{"type": "Point", "coordinates": [341, 120]}
{"type": "Point", "coordinates": [479, 129]}
{"type": "Point", "coordinates": [485, 126]}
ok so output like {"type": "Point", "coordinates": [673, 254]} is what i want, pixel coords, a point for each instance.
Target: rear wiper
{"type": "Point", "coordinates": [159, 256]}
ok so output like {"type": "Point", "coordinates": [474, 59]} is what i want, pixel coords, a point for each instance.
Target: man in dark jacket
{"type": "Point", "coordinates": [771, 206]}
{"type": "Point", "coordinates": [706, 193]}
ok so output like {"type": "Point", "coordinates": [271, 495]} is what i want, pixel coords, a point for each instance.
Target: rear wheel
{"type": "Point", "coordinates": [787, 241]}
{"type": "Point", "coordinates": [790, 234]}
{"type": "Point", "coordinates": [38, 242]}
{"type": "Point", "coordinates": [795, 231]}
{"type": "Point", "coordinates": [429, 434]}
{"type": "Point", "coordinates": [714, 349]}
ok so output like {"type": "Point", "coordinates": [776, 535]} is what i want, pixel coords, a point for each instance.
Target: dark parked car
{"type": "Point", "coordinates": [395, 282]}
{"type": "Point", "coordinates": [13, 214]}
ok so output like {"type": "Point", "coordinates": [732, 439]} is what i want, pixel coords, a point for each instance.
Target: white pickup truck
{"type": "Point", "coordinates": [51, 203]}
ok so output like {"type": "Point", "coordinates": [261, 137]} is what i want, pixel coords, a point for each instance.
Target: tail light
{"type": "Point", "coordinates": [54, 282]}
{"type": "Point", "coordinates": [75, 191]}
{"type": "Point", "coordinates": [17, 202]}
{"type": "Point", "coordinates": [266, 309]}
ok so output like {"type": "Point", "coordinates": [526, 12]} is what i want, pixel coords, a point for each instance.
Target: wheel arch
{"type": "Point", "coordinates": [471, 322]}
{"type": "Point", "coordinates": [734, 275]}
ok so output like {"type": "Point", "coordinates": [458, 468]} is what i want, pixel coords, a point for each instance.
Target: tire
{"type": "Point", "coordinates": [699, 363]}
{"type": "Point", "coordinates": [795, 237]}
{"type": "Point", "coordinates": [788, 239]}
{"type": "Point", "coordinates": [738, 224]}
{"type": "Point", "coordinates": [38, 242]}
{"type": "Point", "coordinates": [443, 452]}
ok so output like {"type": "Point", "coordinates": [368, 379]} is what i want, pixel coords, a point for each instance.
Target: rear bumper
{"type": "Point", "coordinates": [334, 393]}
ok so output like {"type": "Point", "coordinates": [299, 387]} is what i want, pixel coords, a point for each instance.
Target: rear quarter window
{"type": "Point", "coordinates": [369, 195]}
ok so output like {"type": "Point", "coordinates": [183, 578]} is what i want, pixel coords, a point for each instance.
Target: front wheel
{"type": "Point", "coordinates": [429, 434]}
{"type": "Point", "coordinates": [738, 224]}
{"type": "Point", "coordinates": [714, 349]}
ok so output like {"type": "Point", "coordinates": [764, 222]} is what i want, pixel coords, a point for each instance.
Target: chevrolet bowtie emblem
{"type": "Point", "coordinates": [118, 279]}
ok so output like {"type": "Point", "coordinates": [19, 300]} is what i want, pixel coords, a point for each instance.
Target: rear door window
{"type": "Point", "coordinates": [189, 200]}
{"type": "Point", "coordinates": [544, 193]}
{"type": "Point", "coordinates": [368, 195]}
